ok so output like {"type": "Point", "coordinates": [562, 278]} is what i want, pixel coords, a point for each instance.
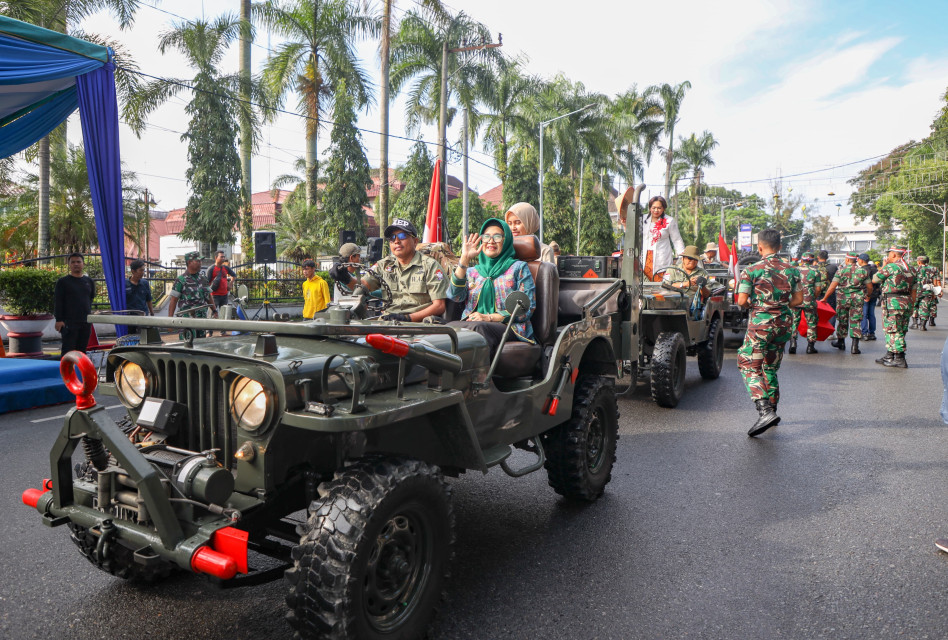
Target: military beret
{"type": "Point", "coordinates": [192, 255]}
{"type": "Point", "coordinates": [897, 248]}
{"type": "Point", "coordinates": [922, 258]}
{"type": "Point", "coordinates": [852, 255]}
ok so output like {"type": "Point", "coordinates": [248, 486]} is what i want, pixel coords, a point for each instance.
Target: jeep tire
{"type": "Point", "coordinates": [375, 553]}
{"type": "Point", "coordinates": [668, 369]}
{"type": "Point", "coordinates": [580, 452]}
{"type": "Point", "coordinates": [711, 352]}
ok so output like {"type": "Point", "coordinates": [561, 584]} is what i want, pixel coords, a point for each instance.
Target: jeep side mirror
{"type": "Point", "coordinates": [242, 291]}
{"type": "Point", "coordinates": [702, 281]}
{"type": "Point", "coordinates": [514, 300]}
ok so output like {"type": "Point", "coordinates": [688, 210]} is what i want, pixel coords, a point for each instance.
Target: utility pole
{"type": "Point", "coordinates": [443, 115]}
{"type": "Point", "coordinates": [246, 134]}
{"type": "Point", "coordinates": [579, 215]}
{"type": "Point", "coordinates": [464, 210]}
{"type": "Point", "coordinates": [382, 217]}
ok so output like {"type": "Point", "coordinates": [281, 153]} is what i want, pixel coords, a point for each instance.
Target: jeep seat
{"type": "Point", "coordinates": [518, 358]}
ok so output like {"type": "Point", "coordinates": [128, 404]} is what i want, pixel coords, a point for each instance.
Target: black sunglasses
{"type": "Point", "coordinates": [401, 235]}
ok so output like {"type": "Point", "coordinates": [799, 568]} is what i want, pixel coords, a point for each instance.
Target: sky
{"type": "Point", "coordinates": [786, 87]}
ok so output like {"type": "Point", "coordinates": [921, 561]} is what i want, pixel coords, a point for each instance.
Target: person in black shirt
{"type": "Point", "coordinates": [138, 291]}
{"type": "Point", "coordinates": [73, 304]}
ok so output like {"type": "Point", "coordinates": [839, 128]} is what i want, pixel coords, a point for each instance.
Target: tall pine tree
{"type": "Point", "coordinates": [213, 173]}
{"type": "Point", "coordinates": [412, 204]}
{"type": "Point", "coordinates": [559, 217]}
{"type": "Point", "coordinates": [521, 184]}
{"type": "Point", "coordinates": [348, 175]}
{"type": "Point", "coordinates": [595, 234]}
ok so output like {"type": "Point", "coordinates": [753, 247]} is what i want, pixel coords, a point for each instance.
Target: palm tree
{"type": "Point", "coordinates": [694, 154]}
{"type": "Point", "coordinates": [507, 102]}
{"type": "Point", "coordinates": [638, 117]}
{"type": "Point", "coordinates": [588, 134]}
{"type": "Point", "coordinates": [317, 54]}
{"type": "Point", "coordinates": [417, 56]}
{"type": "Point", "coordinates": [671, 98]}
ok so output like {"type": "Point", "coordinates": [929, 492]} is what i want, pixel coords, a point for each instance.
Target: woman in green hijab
{"type": "Point", "coordinates": [486, 273]}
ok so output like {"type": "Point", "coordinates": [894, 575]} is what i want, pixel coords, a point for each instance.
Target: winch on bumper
{"type": "Point", "coordinates": [164, 504]}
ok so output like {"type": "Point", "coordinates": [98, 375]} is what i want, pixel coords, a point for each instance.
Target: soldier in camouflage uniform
{"type": "Point", "coordinates": [417, 282]}
{"type": "Point", "coordinates": [192, 289]}
{"type": "Point", "coordinates": [926, 279]}
{"type": "Point", "coordinates": [770, 288]}
{"type": "Point", "coordinates": [898, 297]}
{"type": "Point", "coordinates": [810, 280]}
{"type": "Point", "coordinates": [853, 281]}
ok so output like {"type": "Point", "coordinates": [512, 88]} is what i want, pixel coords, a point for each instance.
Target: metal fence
{"type": "Point", "coordinates": [277, 283]}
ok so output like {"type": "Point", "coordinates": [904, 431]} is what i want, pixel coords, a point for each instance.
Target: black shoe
{"type": "Point", "coordinates": [870, 336]}
{"type": "Point", "coordinates": [793, 346]}
{"type": "Point", "coordinates": [898, 360]}
{"type": "Point", "coordinates": [925, 325]}
{"type": "Point", "coordinates": [811, 347]}
{"type": "Point", "coordinates": [931, 321]}
{"type": "Point", "coordinates": [855, 348]}
{"type": "Point", "coordinates": [886, 358]}
{"type": "Point", "coordinates": [768, 418]}
{"type": "Point", "coordinates": [841, 345]}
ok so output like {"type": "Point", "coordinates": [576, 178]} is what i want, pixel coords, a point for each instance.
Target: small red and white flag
{"type": "Point", "coordinates": [433, 231]}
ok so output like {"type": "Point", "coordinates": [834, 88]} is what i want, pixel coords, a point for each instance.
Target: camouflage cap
{"type": "Point", "coordinates": [808, 255]}
{"type": "Point", "coordinates": [898, 248]}
{"type": "Point", "coordinates": [922, 258]}
{"type": "Point", "coordinates": [192, 255]}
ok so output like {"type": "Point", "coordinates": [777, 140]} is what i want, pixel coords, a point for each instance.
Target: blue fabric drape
{"type": "Point", "coordinates": [98, 113]}
{"type": "Point", "coordinates": [32, 127]}
{"type": "Point", "coordinates": [23, 62]}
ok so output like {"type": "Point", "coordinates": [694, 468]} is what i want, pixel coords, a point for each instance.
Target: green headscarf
{"type": "Point", "coordinates": [490, 268]}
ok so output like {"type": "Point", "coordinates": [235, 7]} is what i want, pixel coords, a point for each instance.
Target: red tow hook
{"type": "Point", "coordinates": [82, 389]}
{"type": "Point", "coordinates": [31, 496]}
{"type": "Point", "coordinates": [566, 373]}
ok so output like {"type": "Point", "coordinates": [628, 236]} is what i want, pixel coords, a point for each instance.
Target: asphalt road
{"type": "Point", "coordinates": [821, 528]}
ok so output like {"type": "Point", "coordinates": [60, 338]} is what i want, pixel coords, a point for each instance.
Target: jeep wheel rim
{"type": "Point", "coordinates": [398, 569]}
{"type": "Point", "coordinates": [595, 441]}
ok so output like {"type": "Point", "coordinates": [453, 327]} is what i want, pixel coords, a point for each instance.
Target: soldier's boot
{"type": "Point", "coordinates": [914, 324]}
{"type": "Point", "coordinates": [841, 344]}
{"type": "Point", "coordinates": [925, 324]}
{"type": "Point", "coordinates": [767, 417]}
{"type": "Point", "coordinates": [931, 321]}
{"type": "Point", "coordinates": [811, 347]}
{"type": "Point", "coordinates": [855, 348]}
{"type": "Point", "coordinates": [898, 360]}
{"type": "Point", "coordinates": [886, 358]}
{"type": "Point", "coordinates": [793, 345]}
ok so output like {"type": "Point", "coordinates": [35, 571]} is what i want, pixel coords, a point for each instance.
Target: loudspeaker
{"type": "Point", "coordinates": [373, 250]}
{"type": "Point", "coordinates": [346, 236]}
{"type": "Point", "coordinates": [264, 246]}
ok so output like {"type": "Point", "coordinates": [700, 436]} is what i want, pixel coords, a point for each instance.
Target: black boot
{"type": "Point", "coordinates": [886, 358]}
{"type": "Point", "coordinates": [925, 324]}
{"type": "Point", "coordinates": [842, 344]}
{"type": "Point", "coordinates": [811, 347]}
{"type": "Point", "coordinates": [931, 321]}
{"type": "Point", "coordinates": [914, 324]}
{"type": "Point", "coordinates": [870, 336]}
{"type": "Point", "coordinates": [855, 348]}
{"type": "Point", "coordinates": [793, 346]}
{"type": "Point", "coordinates": [898, 360]}
{"type": "Point", "coordinates": [768, 417]}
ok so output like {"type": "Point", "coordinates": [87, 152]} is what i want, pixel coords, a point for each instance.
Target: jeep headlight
{"type": "Point", "coordinates": [132, 384]}
{"type": "Point", "coordinates": [249, 403]}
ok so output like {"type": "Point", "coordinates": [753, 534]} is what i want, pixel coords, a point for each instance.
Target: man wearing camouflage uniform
{"type": "Point", "coordinates": [810, 280]}
{"type": "Point", "coordinates": [192, 289]}
{"type": "Point", "coordinates": [770, 288]}
{"type": "Point", "coordinates": [926, 279]}
{"type": "Point", "coordinates": [898, 297]}
{"type": "Point", "coordinates": [854, 282]}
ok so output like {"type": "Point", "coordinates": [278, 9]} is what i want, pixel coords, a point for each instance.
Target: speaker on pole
{"type": "Point", "coordinates": [373, 250]}
{"type": "Point", "coordinates": [264, 246]}
{"type": "Point", "coordinates": [346, 236]}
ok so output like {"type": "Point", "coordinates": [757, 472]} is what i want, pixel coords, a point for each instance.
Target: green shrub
{"type": "Point", "coordinates": [27, 291]}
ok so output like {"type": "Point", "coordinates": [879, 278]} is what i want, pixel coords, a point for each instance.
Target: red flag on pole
{"type": "Point", "coordinates": [724, 255]}
{"type": "Point", "coordinates": [733, 263]}
{"type": "Point", "coordinates": [433, 230]}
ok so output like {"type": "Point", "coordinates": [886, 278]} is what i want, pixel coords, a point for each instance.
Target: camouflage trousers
{"type": "Point", "coordinates": [197, 313]}
{"type": "Point", "coordinates": [809, 313]}
{"type": "Point", "coordinates": [895, 323]}
{"type": "Point", "coordinates": [849, 310]}
{"type": "Point", "coordinates": [925, 307]}
{"type": "Point", "coordinates": [758, 359]}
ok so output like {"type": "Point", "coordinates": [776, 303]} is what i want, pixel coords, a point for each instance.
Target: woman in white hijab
{"type": "Point", "coordinates": [661, 239]}
{"type": "Point", "coordinates": [524, 220]}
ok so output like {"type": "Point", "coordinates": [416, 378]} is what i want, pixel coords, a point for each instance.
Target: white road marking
{"type": "Point", "coordinates": [111, 406]}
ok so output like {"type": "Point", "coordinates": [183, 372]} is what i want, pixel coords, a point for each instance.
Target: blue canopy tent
{"type": "Point", "coordinates": [44, 77]}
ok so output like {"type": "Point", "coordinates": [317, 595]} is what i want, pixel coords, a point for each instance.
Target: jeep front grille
{"type": "Point", "coordinates": [201, 388]}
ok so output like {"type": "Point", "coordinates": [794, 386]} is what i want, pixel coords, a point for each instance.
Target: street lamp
{"type": "Point", "coordinates": [543, 124]}
{"type": "Point", "coordinates": [727, 206]}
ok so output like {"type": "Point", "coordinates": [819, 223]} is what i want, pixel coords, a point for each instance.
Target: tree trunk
{"type": "Point", "coordinates": [694, 206]}
{"type": "Point", "coordinates": [42, 243]}
{"type": "Point", "coordinates": [382, 219]}
{"type": "Point", "coordinates": [246, 137]}
{"type": "Point", "coordinates": [668, 172]}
